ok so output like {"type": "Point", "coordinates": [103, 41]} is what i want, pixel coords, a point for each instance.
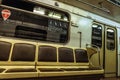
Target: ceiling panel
{"type": "Point", "coordinates": [101, 7]}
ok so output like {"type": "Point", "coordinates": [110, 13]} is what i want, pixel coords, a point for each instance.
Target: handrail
{"type": "Point", "coordinates": [94, 52]}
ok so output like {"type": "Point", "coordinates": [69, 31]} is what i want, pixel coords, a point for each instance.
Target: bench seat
{"type": "Point", "coordinates": [68, 73]}
{"type": "Point", "coordinates": [1, 70]}
{"type": "Point", "coordinates": [15, 75]}
{"type": "Point", "coordinates": [32, 60]}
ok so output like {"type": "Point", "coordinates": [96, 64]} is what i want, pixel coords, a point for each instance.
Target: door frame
{"type": "Point", "coordinates": [103, 48]}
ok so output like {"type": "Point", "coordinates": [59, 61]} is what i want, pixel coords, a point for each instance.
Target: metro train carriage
{"type": "Point", "coordinates": [57, 40]}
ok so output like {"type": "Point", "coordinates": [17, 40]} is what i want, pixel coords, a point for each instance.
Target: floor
{"type": "Point", "coordinates": [111, 79]}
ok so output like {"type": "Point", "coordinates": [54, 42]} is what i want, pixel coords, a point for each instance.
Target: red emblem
{"type": "Point", "coordinates": [6, 14]}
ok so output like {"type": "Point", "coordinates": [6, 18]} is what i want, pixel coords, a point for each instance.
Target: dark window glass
{"type": "Point", "coordinates": [34, 21]}
{"type": "Point", "coordinates": [97, 35]}
{"type": "Point", "coordinates": [110, 39]}
{"type": "Point", "coordinates": [33, 7]}
{"type": "Point", "coordinates": [19, 4]}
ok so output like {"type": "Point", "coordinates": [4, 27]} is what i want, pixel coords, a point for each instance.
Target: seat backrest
{"type": "Point", "coordinates": [23, 52]}
{"type": "Point", "coordinates": [47, 53]}
{"type": "Point", "coordinates": [65, 54]}
{"type": "Point", "coordinates": [81, 56]}
{"type": "Point", "coordinates": [5, 48]}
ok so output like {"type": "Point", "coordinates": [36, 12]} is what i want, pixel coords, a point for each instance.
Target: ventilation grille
{"type": "Point", "coordinates": [115, 2]}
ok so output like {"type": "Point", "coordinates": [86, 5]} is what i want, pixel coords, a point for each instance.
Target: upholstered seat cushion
{"type": "Point", "coordinates": [23, 52]}
{"type": "Point", "coordinates": [81, 55]}
{"type": "Point", "coordinates": [65, 54]}
{"type": "Point", "coordinates": [47, 54]}
{"type": "Point", "coordinates": [4, 50]}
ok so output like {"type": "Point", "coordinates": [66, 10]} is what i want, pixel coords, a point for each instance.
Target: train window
{"type": "Point", "coordinates": [32, 7]}
{"type": "Point", "coordinates": [110, 39]}
{"type": "Point", "coordinates": [97, 35]}
{"type": "Point", "coordinates": [21, 4]}
{"type": "Point", "coordinates": [50, 13]}
{"type": "Point", "coordinates": [36, 22]}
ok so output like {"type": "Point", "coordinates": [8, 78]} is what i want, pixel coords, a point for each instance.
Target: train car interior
{"type": "Point", "coordinates": [59, 39]}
